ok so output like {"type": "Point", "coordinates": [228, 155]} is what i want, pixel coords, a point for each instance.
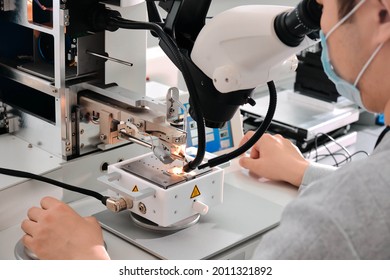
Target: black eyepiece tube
{"type": "Point", "coordinates": [292, 27]}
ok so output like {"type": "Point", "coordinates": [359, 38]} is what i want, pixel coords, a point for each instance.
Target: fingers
{"type": "Point", "coordinates": [28, 227]}
{"type": "Point", "coordinates": [251, 164]}
{"type": "Point", "coordinates": [27, 241]}
{"type": "Point", "coordinates": [254, 152]}
{"type": "Point", "coordinates": [246, 137]}
{"type": "Point", "coordinates": [278, 136]}
{"type": "Point", "coordinates": [34, 213]}
{"type": "Point", "coordinates": [48, 202]}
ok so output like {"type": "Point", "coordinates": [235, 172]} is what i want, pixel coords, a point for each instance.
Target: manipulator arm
{"type": "Point", "coordinates": [106, 121]}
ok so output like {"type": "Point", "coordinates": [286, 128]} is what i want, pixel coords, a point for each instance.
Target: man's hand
{"type": "Point", "coordinates": [56, 231]}
{"type": "Point", "coordinates": [275, 158]}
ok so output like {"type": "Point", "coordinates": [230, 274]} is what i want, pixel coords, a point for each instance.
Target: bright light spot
{"type": "Point", "coordinates": [176, 171]}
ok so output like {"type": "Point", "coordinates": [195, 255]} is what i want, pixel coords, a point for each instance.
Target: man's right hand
{"type": "Point", "coordinates": [275, 158]}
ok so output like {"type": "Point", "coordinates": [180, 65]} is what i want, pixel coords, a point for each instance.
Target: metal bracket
{"type": "Point", "coordinates": [111, 179]}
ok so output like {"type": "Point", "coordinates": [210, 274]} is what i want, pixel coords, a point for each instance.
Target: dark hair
{"type": "Point", "coordinates": [345, 6]}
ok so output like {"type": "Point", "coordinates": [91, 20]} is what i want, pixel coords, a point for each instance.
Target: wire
{"type": "Point", "coordinates": [347, 156]}
{"type": "Point", "coordinates": [316, 149]}
{"type": "Point", "coordinates": [333, 155]}
{"type": "Point", "coordinates": [354, 154]}
{"type": "Point", "coordinates": [334, 141]}
{"type": "Point", "coordinates": [23, 174]}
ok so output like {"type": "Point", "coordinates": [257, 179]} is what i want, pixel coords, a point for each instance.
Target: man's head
{"type": "Point", "coordinates": [353, 43]}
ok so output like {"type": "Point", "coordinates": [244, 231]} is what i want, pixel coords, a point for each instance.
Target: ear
{"type": "Point", "coordinates": [383, 15]}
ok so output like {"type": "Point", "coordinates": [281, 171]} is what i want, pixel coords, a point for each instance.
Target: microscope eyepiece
{"type": "Point", "coordinates": [292, 27]}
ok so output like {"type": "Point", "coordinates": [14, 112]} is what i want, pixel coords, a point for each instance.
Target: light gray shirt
{"type": "Point", "coordinates": [338, 214]}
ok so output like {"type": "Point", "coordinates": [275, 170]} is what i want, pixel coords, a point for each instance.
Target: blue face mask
{"type": "Point", "coordinates": [344, 88]}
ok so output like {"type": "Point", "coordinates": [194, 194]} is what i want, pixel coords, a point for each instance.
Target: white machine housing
{"type": "Point", "coordinates": [166, 206]}
{"type": "Point", "coordinates": [230, 48]}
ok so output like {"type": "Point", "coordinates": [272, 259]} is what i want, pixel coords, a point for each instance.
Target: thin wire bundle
{"type": "Point", "coordinates": [346, 155]}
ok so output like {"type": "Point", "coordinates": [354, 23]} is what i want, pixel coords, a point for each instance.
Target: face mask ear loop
{"type": "Point", "coordinates": [345, 18]}
{"type": "Point", "coordinates": [367, 64]}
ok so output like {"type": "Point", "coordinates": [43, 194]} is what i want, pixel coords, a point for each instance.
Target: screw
{"type": "Point", "coordinates": [142, 208]}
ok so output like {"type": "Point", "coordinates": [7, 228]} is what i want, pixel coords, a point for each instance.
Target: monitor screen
{"type": "Point", "coordinates": [217, 139]}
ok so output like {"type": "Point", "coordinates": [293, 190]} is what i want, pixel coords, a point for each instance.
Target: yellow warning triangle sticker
{"type": "Point", "coordinates": [135, 189]}
{"type": "Point", "coordinates": [195, 192]}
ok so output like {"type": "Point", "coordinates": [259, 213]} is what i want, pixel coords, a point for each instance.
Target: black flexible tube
{"type": "Point", "coordinates": [23, 174]}
{"type": "Point", "coordinates": [259, 132]}
{"type": "Point", "coordinates": [180, 62]}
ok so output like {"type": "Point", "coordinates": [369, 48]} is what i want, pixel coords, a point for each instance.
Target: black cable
{"type": "Point", "coordinates": [23, 174]}
{"type": "Point", "coordinates": [333, 155]}
{"type": "Point", "coordinates": [330, 153]}
{"type": "Point", "coordinates": [255, 137]}
{"type": "Point", "coordinates": [334, 141]}
{"type": "Point", "coordinates": [180, 62]}
{"type": "Point", "coordinates": [354, 154]}
{"type": "Point", "coordinates": [347, 156]}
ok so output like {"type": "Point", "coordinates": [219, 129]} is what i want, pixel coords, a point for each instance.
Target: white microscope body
{"type": "Point", "coordinates": [239, 49]}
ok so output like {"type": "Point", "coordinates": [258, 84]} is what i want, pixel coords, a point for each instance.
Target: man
{"type": "Point", "coordinates": [339, 214]}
